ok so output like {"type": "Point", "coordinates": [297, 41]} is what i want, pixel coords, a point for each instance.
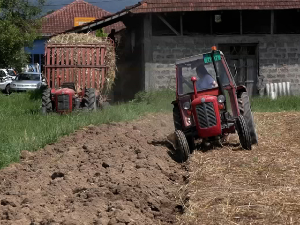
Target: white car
{"type": "Point", "coordinates": [28, 81]}
{"type": "Point", "coordinates": [6, 77]}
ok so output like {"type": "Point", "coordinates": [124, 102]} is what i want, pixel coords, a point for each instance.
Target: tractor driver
{"type": "Point", "coordinates": [205, 80]}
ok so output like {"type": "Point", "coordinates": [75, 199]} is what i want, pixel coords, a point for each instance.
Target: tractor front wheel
{"type": "Point", "coordinates": [90, 101]}
{"type": "Point", "coordinates": [46, 101]}
{"type": "Point", "coordinates": [182, 145]}
{"type": "Point", "coordinates": [243, 132]}
{"type": "Point", "coordinates": [245, 111]}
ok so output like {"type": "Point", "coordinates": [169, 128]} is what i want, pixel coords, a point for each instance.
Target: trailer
{"type": "Point", "coordinates": [80, 71]}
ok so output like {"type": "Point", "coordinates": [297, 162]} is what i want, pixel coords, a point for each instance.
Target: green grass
{"type": "Point", "coordinates": [24, 128]}
{"type": "Point", "coordinates": [284, 103]}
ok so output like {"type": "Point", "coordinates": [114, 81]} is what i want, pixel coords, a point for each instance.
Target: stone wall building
{"type": "Point", "coordinates": [260, 39]}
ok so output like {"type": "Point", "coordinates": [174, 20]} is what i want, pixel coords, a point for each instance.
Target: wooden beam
{"type": "Point", "coordinates": [181, 24]}
{"type": "Point", "coordinates": [168, 25]}
{"type": "Point", "coordinates": [272, 21]}
{"type": "Point", "coordinates": [241, 22]}
{"type": "Point", "coordinates": [211, 23]}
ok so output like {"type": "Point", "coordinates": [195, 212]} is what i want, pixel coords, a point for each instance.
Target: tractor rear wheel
{"type": "Point", "coordinates": [182, 146]}
{"type": "Point", "coordinates": [90, 101]}
{"type": "Point", "coordinates": [177, 118]}
{"type": "Point", "coordinates": [46, 101]}
{"type": "Point", "coordinates": [243, 132]}
{"type": "Point", "coordinates": [245, 110]}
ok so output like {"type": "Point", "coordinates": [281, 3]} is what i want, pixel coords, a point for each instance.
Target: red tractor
{"type": "Point", "coordinates": [208, 104]}
{"type": "Point", "coordinates": [66, 99]}
{"type": "Point", "coordinates": [77, 73]}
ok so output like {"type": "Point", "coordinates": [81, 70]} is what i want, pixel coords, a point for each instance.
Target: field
{"type": "Point", "coordinates": [230, 186]}
{"type": "Point", "coordinates": [126, 173]}
{"type": "Point", "coordinates": [24, 128]}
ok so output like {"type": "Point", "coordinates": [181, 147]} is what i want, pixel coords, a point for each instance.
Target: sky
{"type": "Point", "coordinates": [108, 5]}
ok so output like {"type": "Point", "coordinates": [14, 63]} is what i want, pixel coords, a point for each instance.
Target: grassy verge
{"type": "Point", "coordinates": [284, 103]}
{"type": "Point", "coordinates": [24, 128]}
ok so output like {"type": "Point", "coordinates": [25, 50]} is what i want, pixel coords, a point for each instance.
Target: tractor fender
{"type": "Point", "coordinates": [240, 90]}
{"type": "Point", "coordinates": [175, 102]}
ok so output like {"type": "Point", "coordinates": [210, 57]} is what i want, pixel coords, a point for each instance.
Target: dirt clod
{"type": "Point", "coordinates": [102, 175]}
{"type": "Point", "coordinates": [57, 175]}
{"type": "Point", "coordinates": [105, 165]}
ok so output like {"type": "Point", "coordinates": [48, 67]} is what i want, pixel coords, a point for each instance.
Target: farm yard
{"type": "Point", "coordinates": [96, 138]}
{"type": "Point", "coordinates": [126, 173]}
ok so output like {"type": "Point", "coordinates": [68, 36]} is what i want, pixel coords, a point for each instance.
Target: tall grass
{"type": "Point", "coordinates": [24, 128]}
{"type": "Point", "coordinates": [283, 103]}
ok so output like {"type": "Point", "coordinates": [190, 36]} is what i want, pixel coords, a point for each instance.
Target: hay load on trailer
{"type": "Point", "coordinates": [80, 72]}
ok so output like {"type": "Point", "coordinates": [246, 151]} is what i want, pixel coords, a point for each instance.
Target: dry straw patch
{"type": "Point", "coordinates": [88, 39]}
{"type": "Point", "coordinates": [262, 186]}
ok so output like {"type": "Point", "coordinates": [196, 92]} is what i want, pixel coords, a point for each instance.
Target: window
{"type": "Point", "coordinates": [256, 22]}
{"type": "Point", "coordinates": [287, 21]}
{"type": "Point", "coordinates": [203, 69]}
{"type": "Point", "coordinates": [36, 58]}
{"type": "Point", "coordinates": [2, 73]}
{"type": "Point", "coordinates": [27, 76]}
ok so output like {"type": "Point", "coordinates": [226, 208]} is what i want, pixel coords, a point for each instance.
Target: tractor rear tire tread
{"type": "Point", "coordinates": [245, 111]}
{"type": "Point", "coordinates": [90, 99]}
{"type": "Point", "coordinates": [46, 101]}
{"type": "Point", "coordinates": [182, 146]}
{"type": "Point", "coordinates": [177, 118]}
{"type": "Point", "coordinates": [243, 133]}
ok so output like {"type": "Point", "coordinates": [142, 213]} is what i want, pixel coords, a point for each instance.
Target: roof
{"type": "Point", "coordinates": [104, 21]}
{"type": "Point", "coordinates": [148, 6]}
{"type": "Point", "coordinates": [63, 19]}
{"type": "Point", "coordinates": [152, 6]}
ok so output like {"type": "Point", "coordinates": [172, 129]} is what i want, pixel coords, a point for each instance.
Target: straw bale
{"type": "Point", "coordinates": [232, 186]}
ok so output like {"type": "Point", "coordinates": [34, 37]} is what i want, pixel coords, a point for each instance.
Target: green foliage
{"type": "Point", "coordinates": [284, 103]}
{"type": "Point", "coordinates": [18, 28]}
{"type": "Point", "coordinates": [101, 33]}
{"type": "Point", "coordinates": [24, 128]}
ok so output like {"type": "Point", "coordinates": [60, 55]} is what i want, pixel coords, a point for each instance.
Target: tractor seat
{"type": "Point", "coordinates": [69, 85]}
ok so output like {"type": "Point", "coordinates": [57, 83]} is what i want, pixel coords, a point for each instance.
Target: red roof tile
{"type": "Point", "coordinates": [148, 6]}
{"type": "Point", "coordinates": [63, 19]}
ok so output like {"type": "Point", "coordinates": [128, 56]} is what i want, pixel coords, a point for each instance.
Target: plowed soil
{"type": "Point", "coordinates": [110, 174]}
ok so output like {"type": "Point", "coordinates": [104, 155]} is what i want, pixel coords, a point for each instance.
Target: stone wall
{"type": "Point", "coordinates": [278, 56]}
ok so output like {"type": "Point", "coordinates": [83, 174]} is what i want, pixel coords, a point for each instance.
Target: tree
{"type": "Point", "coordinates": [101, 33]}
{"type": "Point", "coordinates": [19, 26]}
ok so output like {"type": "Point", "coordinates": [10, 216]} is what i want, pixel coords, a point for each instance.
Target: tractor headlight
{"type": "Point", "coordinates": [221, 99]}
{"type": "Point", "coordinates": [186, 105]}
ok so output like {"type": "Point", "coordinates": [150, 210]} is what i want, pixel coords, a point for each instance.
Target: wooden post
{"type": "Point", "coordinates": [148, 80]}
{"type": "Point", "coordinates": [272, 21]}
{"type": "Point", "coordinates": [241, 23]}
{"type": "Point", "coordinates": [181, 24]}
{"type": "Point", "coordinates": [211, 23]}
